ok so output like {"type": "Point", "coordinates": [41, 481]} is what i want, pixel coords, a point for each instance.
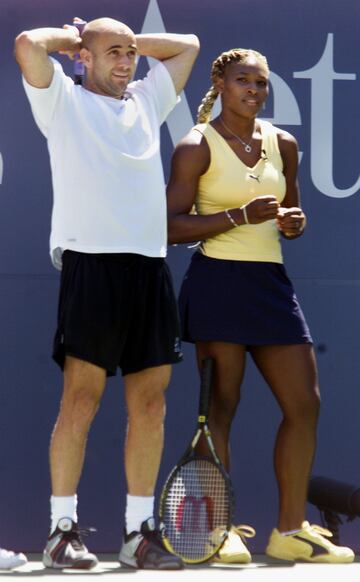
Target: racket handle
{"type": "Point", "coordinates": [79, 68]}
{"type": "Point", "coordinates": [207, 367]}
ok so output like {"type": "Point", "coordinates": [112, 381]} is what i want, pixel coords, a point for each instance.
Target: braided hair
{"type": "Point", "coordinates": [237, 55]}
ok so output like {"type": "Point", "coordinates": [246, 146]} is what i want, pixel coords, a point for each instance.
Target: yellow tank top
{"type": "Point", "coordinates": [229, 183]}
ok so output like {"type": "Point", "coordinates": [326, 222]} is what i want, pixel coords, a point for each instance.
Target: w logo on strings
{"type": "Point", "coordinates": [195, 512]}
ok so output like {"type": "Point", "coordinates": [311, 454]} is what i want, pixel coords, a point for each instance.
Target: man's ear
{"type": "Point", "coordinates": [86, 57]}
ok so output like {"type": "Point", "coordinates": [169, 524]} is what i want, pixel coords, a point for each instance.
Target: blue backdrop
{"type": "Point", "coordinates": [313, 50]}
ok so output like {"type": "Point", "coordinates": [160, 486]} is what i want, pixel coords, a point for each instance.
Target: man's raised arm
{"type": "Point", "coordinates": [177, 52]}
{"type": "Point", "coordinates": [32, 49]}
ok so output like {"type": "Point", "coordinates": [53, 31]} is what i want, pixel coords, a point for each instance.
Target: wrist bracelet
{"type": "Point", "coordinates": [243, 208]}
{"type": "Point", "coordinates": [230, 217]}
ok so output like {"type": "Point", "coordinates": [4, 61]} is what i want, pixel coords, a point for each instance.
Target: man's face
{"type": "Point", "coordinates": [110, 63]}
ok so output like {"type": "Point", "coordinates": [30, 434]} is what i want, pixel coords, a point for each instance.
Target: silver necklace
{"type": "Point", "coordinates": [246, 146]}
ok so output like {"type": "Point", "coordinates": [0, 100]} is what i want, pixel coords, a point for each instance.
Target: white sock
{"type": "Point", "coordinates": [138, 510]}
{"type": "Point", "coordinates": [62, 507]}
{"type": "Point", "coordinates": [290, 532]}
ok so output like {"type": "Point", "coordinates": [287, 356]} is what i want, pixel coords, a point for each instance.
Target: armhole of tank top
{"type": "Point", "coordinates": [200, 128]}
{"type": "Point", "coordinates": [270, 134]}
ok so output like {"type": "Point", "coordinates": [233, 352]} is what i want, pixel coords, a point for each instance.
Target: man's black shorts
{"type": "Point", "coordinates": [117, 310]}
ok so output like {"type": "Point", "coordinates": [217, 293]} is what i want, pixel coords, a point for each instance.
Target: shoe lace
{"type": "Point", "coordinates": [321, 530]}
{"type": "Point", "coordinates": [244, 531]}
{"type": "Point", "coordinates": [155, 536]}
{"type": "Point", "coordinates": [74, 536]}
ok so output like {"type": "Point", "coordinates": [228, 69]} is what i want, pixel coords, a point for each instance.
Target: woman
{"type": "Point", "coordinates": [240, 173]}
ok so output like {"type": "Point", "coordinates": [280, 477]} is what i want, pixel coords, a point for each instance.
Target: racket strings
{"type": "Point", "coordinates": [197, 510]}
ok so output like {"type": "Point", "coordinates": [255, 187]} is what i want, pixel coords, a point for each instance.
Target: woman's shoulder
{"type": "Point", "coordinates": [194, 137]}
{"type": "Point", "coordinates": [192, 152]}
{"type": "Point", "coordinates": [201, 128]}
{"type": "Point", "coordinates": [283, 141]}
{"type": "Point", "coordinates": [281, 134]}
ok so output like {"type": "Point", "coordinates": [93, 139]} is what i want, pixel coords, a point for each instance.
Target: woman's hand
{"type": "Point", "coordinates": [261, 209]}
{"type": "Point", "coordinates": [291, 221]}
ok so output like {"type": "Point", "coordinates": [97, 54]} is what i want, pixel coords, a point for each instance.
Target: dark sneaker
{"type": "Point", "coordinates": [65, 549]}
{"type": "Point", "coordinates": [145, 550]}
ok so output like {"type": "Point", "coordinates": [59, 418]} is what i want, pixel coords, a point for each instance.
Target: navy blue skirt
{"type": "Point", "coordinates": [242, 302]}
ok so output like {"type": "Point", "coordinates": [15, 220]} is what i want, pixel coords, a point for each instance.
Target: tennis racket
{"type": "Point", "coordinates": [197, 502]}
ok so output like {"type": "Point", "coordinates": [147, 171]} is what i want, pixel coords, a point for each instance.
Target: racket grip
{"type": "Point", "coordinates": [79, 68]}
{"type": "Point", "coordinates": [207, 367]}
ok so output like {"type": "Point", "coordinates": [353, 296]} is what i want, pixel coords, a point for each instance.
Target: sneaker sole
{"type": "Point", "coordinates": [233, 559]}
{"type": "Point", "coordinates": [133, 565]}
{"type": "Point", "coordinates": [79, 565]}
{"type": "Point", "coordinates": [324, 559]}
{"type": "Point", "coordinates": [12, 565]}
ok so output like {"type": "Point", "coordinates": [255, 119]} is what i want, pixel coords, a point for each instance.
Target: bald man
{"type": "Point", "coordinates": [116, 304]}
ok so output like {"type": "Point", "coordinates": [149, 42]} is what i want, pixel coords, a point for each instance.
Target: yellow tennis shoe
{"type": "Point", "coordinates": [310, 544]}
{"type": "Point", "coordinates": [234, 550]}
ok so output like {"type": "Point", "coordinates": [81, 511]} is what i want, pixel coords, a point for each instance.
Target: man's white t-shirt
{"type": "Point", "coordinates": [107, 175]}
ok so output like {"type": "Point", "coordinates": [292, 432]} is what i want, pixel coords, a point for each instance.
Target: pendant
{"type": "Point", "coordinates": [248, 149]}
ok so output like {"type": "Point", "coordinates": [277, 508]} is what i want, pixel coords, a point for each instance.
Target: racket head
{"type": "Point", "coordinates": [196, 508]}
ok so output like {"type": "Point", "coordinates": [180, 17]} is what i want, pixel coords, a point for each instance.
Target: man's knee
{"type": "Point", "coordinates": [145, 395]}
{"type": "Point", "coordinates": [83, 389]}
{"type": "Point", "coordinates": [80, 403]}
{"type": "Point", "coordinates": [149, 408]}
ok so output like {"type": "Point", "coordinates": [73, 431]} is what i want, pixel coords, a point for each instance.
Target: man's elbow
{"type": "Point", "coordinates": [193, 43]}
{"type": "Point", "coordinates": [23, 44]}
